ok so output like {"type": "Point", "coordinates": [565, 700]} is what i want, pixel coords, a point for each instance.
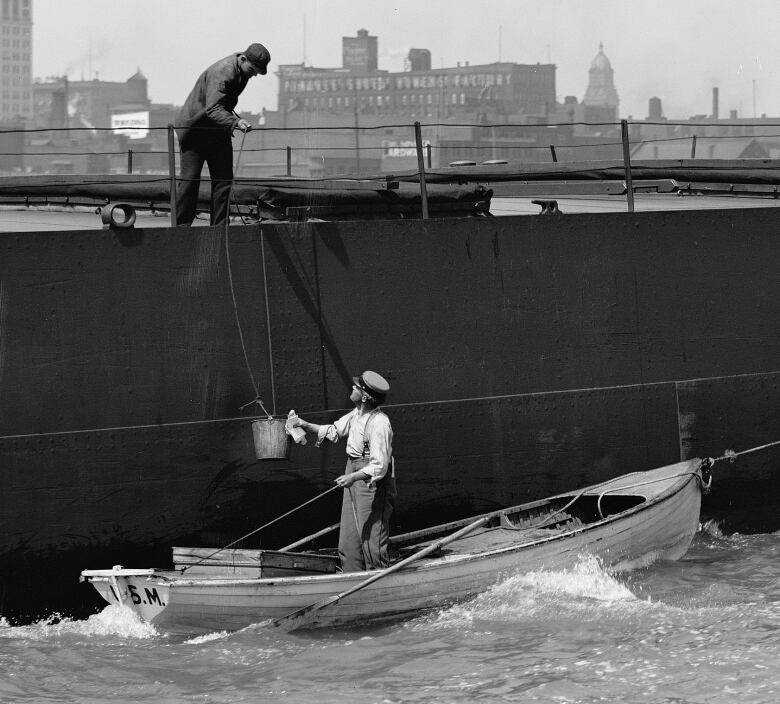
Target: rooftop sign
{"type": "Point", "coordinates": [134, 125]}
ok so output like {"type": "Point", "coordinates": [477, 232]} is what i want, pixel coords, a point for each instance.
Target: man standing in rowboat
{"type": "Point", "coordinates": [205, 126]}
{"type": "Point", "coordinates": [369, 479]}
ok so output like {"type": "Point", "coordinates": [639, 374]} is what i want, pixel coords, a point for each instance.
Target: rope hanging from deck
{"type": "Point", "coordinates": [257, 398]}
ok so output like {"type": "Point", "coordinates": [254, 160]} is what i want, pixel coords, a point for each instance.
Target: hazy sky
{"type": "Point", "coordinates": [677, 50]}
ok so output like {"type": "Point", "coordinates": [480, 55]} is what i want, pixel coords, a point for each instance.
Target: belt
{"type": "Point", "coordinates": [390, 470]}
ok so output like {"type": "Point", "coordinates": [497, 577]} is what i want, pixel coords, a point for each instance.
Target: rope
{"type": "Point", "coordinates": [731, 455]}
{"type": "Point", "coordinates": [257, 530]}
{"type": "Point", "coordinates": [235, 308]}
{"type": "Point", "coordinates": [235, 302]}
{"type": "Point", "coordinates": [268, 321]}
{"type": "Point", "coordinates": [582, 492]}
{"type": "Point", "coordinates": [649, 481]}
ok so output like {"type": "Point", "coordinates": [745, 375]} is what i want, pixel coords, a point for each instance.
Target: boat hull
{"type": "Point", "coordinates": [661, 528]}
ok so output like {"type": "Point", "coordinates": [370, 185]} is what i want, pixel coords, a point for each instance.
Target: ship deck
{"type": "Point", "coordinates": [508, 200]}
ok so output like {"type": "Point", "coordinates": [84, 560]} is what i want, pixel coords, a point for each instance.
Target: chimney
{"type": "Point", "coordinates": [715, 103]}
{"type": "Point", "coordinates": [655, 109]}
{"type": "Point", "coordinates": [360, 53]}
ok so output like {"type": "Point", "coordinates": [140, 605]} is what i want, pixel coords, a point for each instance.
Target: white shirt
{"type": "Point", "coordinates": [379, 437]}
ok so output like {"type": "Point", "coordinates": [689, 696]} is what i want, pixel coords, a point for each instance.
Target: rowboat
{"type": "Point", "coordinates": [627, 522]}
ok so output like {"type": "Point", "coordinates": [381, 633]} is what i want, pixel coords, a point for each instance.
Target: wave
{"type": "Point", "coordinates": [114, 620]}
{"type": "Point", "coordinates": [587, 585]}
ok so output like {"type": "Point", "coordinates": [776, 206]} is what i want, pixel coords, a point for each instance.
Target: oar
{"type": "Point", "coordinates": [309, 538]}
{"type": "Point", "coordinates": [298, 618]}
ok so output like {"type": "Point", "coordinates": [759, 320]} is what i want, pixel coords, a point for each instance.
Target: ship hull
{"type": "Point", "coordinates": [525, 354]}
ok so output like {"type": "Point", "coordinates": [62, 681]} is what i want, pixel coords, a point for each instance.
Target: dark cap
{"type": "Point", "coordinates": [258, 56]}
{"type": "Point", "coordinates": [373, 384]}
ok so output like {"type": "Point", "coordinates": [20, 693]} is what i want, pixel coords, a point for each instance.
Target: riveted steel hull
{"type": "Point", "coordinates": [525, 355]}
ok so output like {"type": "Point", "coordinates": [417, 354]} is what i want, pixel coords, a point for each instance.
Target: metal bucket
{"type": "Point", "coordinates": [271, 440]}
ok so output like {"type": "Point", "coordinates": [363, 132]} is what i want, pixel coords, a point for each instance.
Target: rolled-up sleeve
{"type": "Point", "coordinates": [338, 429]}
{"type": "Point", "coordinates": [381, 448]}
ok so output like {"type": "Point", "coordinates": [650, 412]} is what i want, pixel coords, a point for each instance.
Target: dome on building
{"type": "Point", "coordinates": [601, 91]}
{"type": "Point", "coordinates": [601, 62]}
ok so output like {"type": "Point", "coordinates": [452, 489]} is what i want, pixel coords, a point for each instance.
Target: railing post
{"type": "Point", "coordinates": [554, 155]}
{"type": "Point", "coordinates": [429, 151]}
{"type": "Point", "coordinates": [289, 161]}
{"type": "Point", "coordinates": [357, 133]}
{"type": "Point", "coordinates": [421, 170]}
{"type": "Point", "coordinates": [627, 165]}
{"type": "Point", "coordinates": [129, 161]}
{"type": "Point", "coordinates": [693, 147]}
{"type": "Point", "coordinates": [172, 173]}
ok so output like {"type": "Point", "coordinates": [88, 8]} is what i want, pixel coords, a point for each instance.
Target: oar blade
{"type": "Point", "coordinates": [302, 617]}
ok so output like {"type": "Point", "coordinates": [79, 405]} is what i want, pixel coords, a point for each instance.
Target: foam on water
{"type": "Point", "coordinates": [114, 620]}
{"type": "Point", "coordinates": [208, 638]}
{"type": "Point", "coordinates": [712, 529]}
{"type": "Point", "coordinates": [587, 585]}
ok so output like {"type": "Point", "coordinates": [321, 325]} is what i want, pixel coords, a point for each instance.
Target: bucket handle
{"type": "Point", "coordinates": [259, 402]}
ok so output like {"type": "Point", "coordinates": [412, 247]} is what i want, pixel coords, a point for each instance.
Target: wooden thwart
{"type": "Point", "coordinates": [252, 563]}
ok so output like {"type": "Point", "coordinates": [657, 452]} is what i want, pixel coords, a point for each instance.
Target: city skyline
{"type": "Point", "coordinates": [665, 53]}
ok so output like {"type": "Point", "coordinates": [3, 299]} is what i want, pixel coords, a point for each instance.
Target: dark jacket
{"type": "Point", "coordinates": [214, 97]}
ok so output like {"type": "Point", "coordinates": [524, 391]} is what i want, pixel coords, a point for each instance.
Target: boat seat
{"type": "Point", "coordinates": [538, 520]}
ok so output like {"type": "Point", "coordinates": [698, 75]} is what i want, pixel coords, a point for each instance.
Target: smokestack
{"type": "Point", "coordinates": [715, 103]}
{"type": "Point", "coordinates": [655, 109]}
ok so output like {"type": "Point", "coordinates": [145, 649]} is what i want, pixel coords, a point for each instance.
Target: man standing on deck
{"type": "Point", "coordinates": [369, 479]}
{"type": "Point", "coordinates": [205, 127]}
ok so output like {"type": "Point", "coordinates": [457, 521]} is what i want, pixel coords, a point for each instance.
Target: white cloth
{"type": "Point", "coordinates": [379, 437]}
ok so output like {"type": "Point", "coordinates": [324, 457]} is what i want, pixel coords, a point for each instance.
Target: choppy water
{"type": "Point", "coordinates": [705, 629]}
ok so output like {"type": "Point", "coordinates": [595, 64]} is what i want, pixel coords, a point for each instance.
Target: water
{"type": "Point", "coordinates": [705, 629]}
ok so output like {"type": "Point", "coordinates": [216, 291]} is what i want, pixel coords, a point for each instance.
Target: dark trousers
{"type": "Point", "coordinates": [212, 147]}
{"type": "Point", "coordinates": [365, 521]}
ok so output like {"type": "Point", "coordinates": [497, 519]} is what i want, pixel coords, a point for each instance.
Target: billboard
{"type": "Point", "coordinates": [401, 147]}
{"type": "Point", "coordinates": [134, 125]}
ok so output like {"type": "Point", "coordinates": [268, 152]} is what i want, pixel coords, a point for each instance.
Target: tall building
{"type": "Point", "coordinates": [16, 100]}
{"type": "Point", "coordinates": [490, 92]}
{"type": "Point", "coordinates": [456, 105]}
